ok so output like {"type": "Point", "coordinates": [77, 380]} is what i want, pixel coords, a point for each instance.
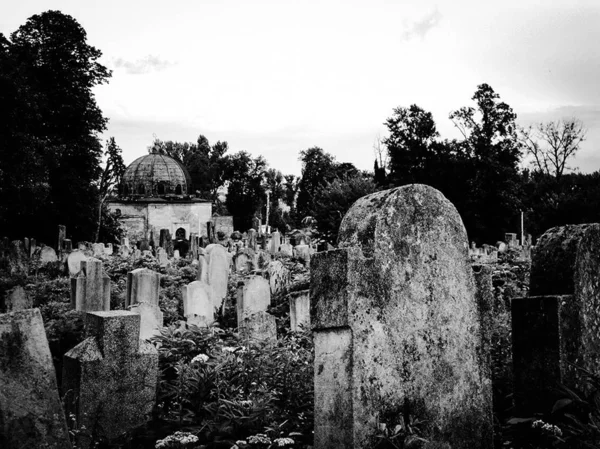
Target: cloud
{"type": "Point", "coordinates": [421, 27]}
{"type": "Point", "coordinates": [148, 64]}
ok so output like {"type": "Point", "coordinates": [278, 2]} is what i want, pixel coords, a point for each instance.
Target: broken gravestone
{"type": "Point", "coordinates": [90, 288]}
{"type": "Point", "coordinates": [397, 332]}
{"type": "Point", "coordinates": [109, 379]}
{"type": "Point", "coordinates": [143, 288]}
{"type": "Point", "coordinates": [31, 414]}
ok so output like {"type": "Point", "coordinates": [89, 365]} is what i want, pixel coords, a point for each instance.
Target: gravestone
{"type": "Point", "coordinates": [31, 414]}
{"type": "Point", "coordinates": [243, 261]}
{"type": "Point", "coordinates": [62, 235]}
{"type": "Point", "coordinates": [68, 246]}
{"type": "Point", "coordinates": [252, 235]}
{"type": "Point", "coordinates": [143, 289]}
{"type": "Point", "coordinates": [258, 326]}
{"type": "Point", "coordinates": [90, 288]}
{"type": "Point", "coordinates": [48, 255]}
{"type": "Point", "coordinates": [17, 258]}
{"type": "Point", "coordinates": [109, 379]}
{"type": "Point", "coordinates": [302, 253]}
{"type": "Point", "coordinates": [253, 295]}
{"type": "Point", "coordinates": [98, 249]}
{"type": "Point", "coordinates": [279, 277]}
{"type": "Point", "coordinates": [275, 242]}
{"type": "Point", "coordinates": [286, 250]}
{"type": "Point", "coordinates": [109, 249]}
{"type": "Point", "coordinates": [217, 272]}
{"type": "Point", "coordinates": [299, 310]}
{"type": "Point", "coordinates": [256, 224]}
{"type": "Point", "coordinates": [176, 254]}
{"type": "Point", "coordinates": [197, 304]}
{"type": "Point", "coordinates": [202, 266]}
{"type": "Point", "coordinates": [74, 260]}
{"type": "Point", "coordinates": [16, 299]}
{"type": "Point", "coordinates": [396, 325]}
{"type": "Point", "coordinates": [161, 255]}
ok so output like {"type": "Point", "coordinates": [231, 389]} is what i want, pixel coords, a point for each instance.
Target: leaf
{"type": "Point", "coordinates": [514, 421]}
{"type": "Point", "coordinates": [560, 404]}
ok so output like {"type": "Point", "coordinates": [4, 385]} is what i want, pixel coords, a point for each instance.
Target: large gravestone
{"type": "Point", "coordinates": [396, 324]}
{"type": "Point", "coordinates": [197, 304]}
{"type": "Point", "coordinates": [74, 260]}
{"type": "Point", "coordinates": [279, 277]}
{"type": "Point", "coordinates": [31, 415]}
{"type": "Point", "coordinates": [217, 272]}
{"type": "Point", "coordinates": [253, 299]}
{"type": "Point", "coordinates": [143, 288]}
{"type": "Point", "coordinates": [275, 242]}
{"type": "Point", "coordinates": [90, 289]}
{"type": "Point", "coordinates": [109, 379]}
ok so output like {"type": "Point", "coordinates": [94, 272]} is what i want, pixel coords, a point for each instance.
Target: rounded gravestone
{"type": "Point", "coordinates": [74, 260]}
{"type": "Point", "coordinates": [48, 255]}
{"type": "Point", "coordinates": [397, 325]}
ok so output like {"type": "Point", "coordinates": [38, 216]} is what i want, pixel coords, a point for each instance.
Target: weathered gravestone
{"type": "Point", "coordinates": [252, 236]}
{"type": "Point", "coordinates": [48, 255]}
{"type": "Point", "coordinates": [299, 310]}
{"type": "Point", "coordinates": [90, 288]}
{"type": "Point", "coordinates": [275, 242]}
{"type": "Point", "coordinates": [74, 260]}
{"type": "Point", "coordinates": [397, 331]}
{"type": "Point", "coordinates": [143, 288]}
{"type": "Point", "coordinates": [202, 266]}
{"type": "Point", "coordinates": [217, 272]}
{"type": "Point", "coordinates": [286, 249]}
{"type": "Point", "coordinates": [109, 379]}
{"type": "Point", "coordinates": [302, 253]}
{"type": "Point", "coordinates": [161, 256]}
{"type": "Point", "coordinates": [31, 415]}
{"type": "Point", "coordinates": [17, 258]}
{"type": "Point", "coordinates": [279, 277]}
{"type": "Point", "coordinates": [243, 261]}
{"type": "Point", "coordinates": [253, 299]}
{"type": "Point", "coordinates": [197, 304]}
{"type": "Point", "coordinates": [15, 299]}
{"type": "Point", "coordinates": [557, 329]}
{"type": "Point", "coordinates": [98, 249]}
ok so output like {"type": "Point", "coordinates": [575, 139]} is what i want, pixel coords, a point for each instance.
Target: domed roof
{"type": "Point", "coordinates": [155, 175]}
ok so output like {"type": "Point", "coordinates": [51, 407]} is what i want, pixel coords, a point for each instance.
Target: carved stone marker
{"type": "Point", "coordinates": [299, 310]}
{"type": "Point", "coordinates": [74, 260]}
{"type": "Point", "coordinates": [143, 288]}
{"type": "Point", "coordinates": [275, 242]}
{"type": "Point", "coordinates": [397, 326]}
{"type": "Point", "coordinates": [218, 272]}
{"type": "Point", "coordinates": [15, 299]}
{"type": "Point", "coordinates": [31, 415]}
{"type": "Point", "coordinates": [253, 299]}
{"type": "Point", "coordinates": [90, 288]}
{"type": "Point", "coordinates": [197, 304]}
{"type": "Point", "coordinates": [109, 379]}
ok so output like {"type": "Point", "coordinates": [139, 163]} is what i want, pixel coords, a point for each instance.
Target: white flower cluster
{"type": "Point", "coordinates": [200, 358]}
{"type": "Point", "coordinates": [283, 441]}
{"type": "Point", "coordinates": [547, 428]}
{"type": "Point", "coordinates": [178, 438]}
{"type": "Point", "coordinates": [259, 438]}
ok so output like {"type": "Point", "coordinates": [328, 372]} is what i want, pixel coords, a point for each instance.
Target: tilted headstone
{"type": "Point", "coordinates": [17, 258]}
{"type": "Point", "coordinates": [74, 260]}
{"type": "Point", "coordinates": [143, 289]}
{"type": "Point", "coordinates": [275, 242]}
{"type": "Point", "coordinates": [557, 330]}
{"type": "Point", "coordinates": [299, 310]}
{"type": "Point", "coordinates": [397, 327]}
{"type": "Point", "coordinates": [279, 277]}
{"type": "Point", "coordinates": [197, 304]}
{"type": "Point", "coordinates": [48, 255]}
{"type": "Point", "coordinates": [16, 299]}
{"type": "Point", "coordinates": [218, 272]}
{"type": "Point", "coordinates": [31, 414]}
{"type": "Point", "coordinates": [109, 379]}
{"type": "Point", "coordinates": [90, 288]}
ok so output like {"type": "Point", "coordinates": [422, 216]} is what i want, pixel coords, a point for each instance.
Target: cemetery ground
{"type": "Point", "coordinates": [217, 389]}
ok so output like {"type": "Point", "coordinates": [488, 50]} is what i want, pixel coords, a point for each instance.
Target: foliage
{"type": "Point", "coordinates": [50, 151]}
{"type": "Point", "coordinates": [111, 175]}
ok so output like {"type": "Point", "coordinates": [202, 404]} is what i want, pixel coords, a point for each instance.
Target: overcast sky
{"type": "Point", "coordinates": [277, 77]}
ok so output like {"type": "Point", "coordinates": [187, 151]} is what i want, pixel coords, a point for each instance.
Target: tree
{"type": "Point", "coordinates": [412, 132]}
{"type": "Point", "coordinates": [552, 144]}
{"type": "Point", "coordinates": [50, 135]}
{"type": "Point", "coordinates": [111, 175]}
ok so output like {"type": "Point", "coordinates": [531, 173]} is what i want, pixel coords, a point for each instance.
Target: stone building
{"type": "Point", "coordinates": [155, 193]}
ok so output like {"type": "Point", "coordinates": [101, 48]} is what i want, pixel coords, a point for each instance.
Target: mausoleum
{"type": "Point", "coordinates": [155, 193]}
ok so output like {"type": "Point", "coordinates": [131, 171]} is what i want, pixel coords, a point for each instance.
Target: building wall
{"type": "Point", "coordinates": [140, 219]}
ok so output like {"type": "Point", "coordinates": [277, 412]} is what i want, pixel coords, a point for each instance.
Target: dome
{"type": "Point", "coordinates": [155, 175]}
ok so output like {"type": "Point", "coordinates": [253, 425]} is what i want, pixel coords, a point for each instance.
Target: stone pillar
{"type": "Point", "coordinates": [299, 310]}
{"type": "Point", "coordinates": [396, 325]}
{"type": "Point", "coordinates": [90, 288]}
{"type": "Point", "coordinates": [202, 266]}
{"type": "Point", "coordinates": [31, 414]}
{"type": "Point", "coordinates": [109, 379]}
{"type": "Point", "coordinates": [218, 273]}
{"type": "Point", "coordinates": [197, 304]}
{"type": "Point", "coordinates": [252, 234]}
{"type": "Point", "coordinates": [275, 242]}
{"type": "Point", "coordinates": [143, 289]}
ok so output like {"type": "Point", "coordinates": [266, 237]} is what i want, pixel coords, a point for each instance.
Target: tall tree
{"type": "Point", "coordinates": [317, 168]}
{"type": "Point", "coordinates": [111, 175]}
{"type": "Point", "coordinates": [552, 144]}
{"type": "Point", "coordinates": [49, 70]}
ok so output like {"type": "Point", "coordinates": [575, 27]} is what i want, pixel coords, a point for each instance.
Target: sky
{"type": "Point", "coordinates": [277, 77]}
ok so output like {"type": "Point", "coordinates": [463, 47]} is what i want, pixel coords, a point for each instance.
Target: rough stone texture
{"type": "Point", "coordinates": [299, 310]}
{"type": "Point", "coordinates": [161, 256]}
{"type": "Point", "coordinates": [17, 258]}
{"type": "Point", "coordinates": [279, 277]}
{"type": "Point", "coordinates": [202, 267]}
{"type": "Point", "coordinates": [285, 249]}
{"type": "Point", "coordinates": [243, 261]}
{"type": "Point", "coordinates": [16, 299]}
{"type": "Point", "coordinates": [90, 289]}
{"type": "Point", "coordinates": [553, 261]}
{"type": "Point", "coordinates": [258, 326]}
{"type": "Point", "coordinates": [109, 379]}
{"type": "Point", "coordinates": [74, 260]}
{"type": "Point", "coordinates": [62, 235]}
{"type": "Point", "coordinates": [218, 272]}
{"type": "Point", "coordinates": [302, 253]}
{"type": "Point", "coordinates": [48, 255]}
{"type": "Point", "coordinates": [484, 295]}
{"type": "Point", "coordinates": [397, 326]}
{"type": "Point", "coordinates": [253, 296]}
{"type": "Point", "coordinates": [98, 249]}
{"type": "Point", "coordinates": [252, 234]}
{"type": "Point", "coordinates": [31, 415]}
{"type": "Point", "coordinates": [197, 304]}
{"type": "Point", "coordinates": [143, 289]}
{"type": "Point", "coordinates": [275, 242]}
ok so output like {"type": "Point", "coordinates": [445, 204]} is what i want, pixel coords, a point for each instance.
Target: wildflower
{"type": "Point", "coordinates": [283, 441]}
{"type": "Point", "coordinates": [547, 428]}
{"type": "Point", "coordinates": [228, 349]}
{"type": "Point", "coordinates": [201, 358]}
{"type": "Point", "coordinates": [259, 438]}
{"type": "Point", "coordinates": [177, 439]}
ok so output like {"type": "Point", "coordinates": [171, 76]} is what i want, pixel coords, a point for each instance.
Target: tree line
{"type": "Point", "coordinates": [55, 169]}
